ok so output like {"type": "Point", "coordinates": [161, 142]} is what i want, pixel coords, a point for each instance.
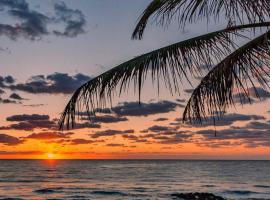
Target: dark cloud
{"type": "Point", "coordinates": [161, 119]}
{"type": "Point", "coordinates": [9, 140]}
{"type": "Point", "coordinates": [161, 135]}
{"type": "Point", "coordinates": [258, 125]}
{"type": "Point", "coordinates": [81, 141]}
{"type": "Point", "coordinates": [25, 117]}
{"type": "Point", "coordinates": [226, 120]}
{"type": "Point", "coordinates": [20, 152]}
{"type": "Point", "coordinates": [115, 145]}
{"type": "Point", "coordinates": [56, 83]}
{"type": "Point", "coordinates": [9, 79]}
{"type": "Point", "coordinates": [34, 105]}
{"type": "Point", "coordinates": [30, 122]}
{"type": "Point", "coordinates": [86, 125]}
{"type": "Point", "coordinates": [8, 101]}
{"type": "Point", "coordinates": [250, 138]}
{"type": "Point", "coordinates": [74, 20]}
{"type": "Point", "coordinates": [135, 139]}
{"type": "Point", "coordinates": [105, 119]}
{"type": "Point", "coordinates": [217, 144]}
{"type": "Point", "coordinates": [2, 91]}
{"type": "Point", "coordinates": [31, 125]}
{"type": "Point", "coordinates": [49, 135]}
{"type": "Point", "coordinates": [15, 96]}
{"type": "Point", "coordinates": [14, 4]}
{"type": "Point", "coordinates": [157, 129]}
{"type": "Point", "coordinates": [181, 100]}
{"type": "Point", "coordinates": [33, 25]}
{"type": "Point", "coordinates": [6, 80]}
{"type": "Point", "coordinates": [177, 139]}
{"type": "Point", "coordinates": [254, 93]}
{"type": "Point", "coordinates": [110, 132]}
{"type": "Point", "coordinates": [258, 91]}
{"type": "Point", "coordinates": [189, 91]}
{"type": "Point", "coordinates": [35, 121]}
{"type": "Point", "coordinates": [142, 109]}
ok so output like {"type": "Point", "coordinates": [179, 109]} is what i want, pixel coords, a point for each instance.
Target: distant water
{"type": "Point", "coordinates": [138, 179]}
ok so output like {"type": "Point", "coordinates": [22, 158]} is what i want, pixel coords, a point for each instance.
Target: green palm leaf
{"type": "Point", "coordinates": [171, 63]}
{"type": "Point", "coordinates": [237, 72]}
{"type": "Point", "coordinates": [163, 11]}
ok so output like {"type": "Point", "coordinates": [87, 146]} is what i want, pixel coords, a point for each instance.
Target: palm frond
{"type": "Point", "coordinates": [163, 11]}
{"type": "Point", "coordinates": [236, 73]}
{"type": "Point", "coordinates": [171, 63]}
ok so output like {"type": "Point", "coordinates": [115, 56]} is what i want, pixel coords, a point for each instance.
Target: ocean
{"type": "Point", "coordinates": [132, 179]}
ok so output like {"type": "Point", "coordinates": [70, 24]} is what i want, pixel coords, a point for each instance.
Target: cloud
{"type": "Point", "coordinates": [26, 117]}
{"type": "Point", "coordinates": [29, 122]}
{"type": "Point", "coordinates": [161, 135]}
{"type": "Point", "coordinates": [258, 125]}
{"type": "Point", "coordinates": [57, 83]}
{"type": "Point", "coordinates": [158, 129]}
{"type": "Point", "coordinates": [49, 135]}
{"type": "Point", "coordinates": [9, 79]}
{"type": "Point", "coordinates": [135, 138]}
{"type": "Point", "coordinates": [20, 152]}
{"type": "Point", "coordinates": [15, 96]}
{"type": "Point", "coordinates": [81, 141]}
{"type": "Point", "coordinates": [142, 109]}
{"type": "Point", "coordinates": [8, 101]}
{"type": "Point", "coordinates": [19, 4]}
{"type": "Point", "coordinates": [115, 145]}
{"type": "Point", "coordinates": [9, 140]}
{"type": "Point", "coordinates": [181, 100]}
{"type": "Point", "coordinates": [189, 91]}
{"type": "Point", "coordinates": [161, 119]}
{"type": "Point", "coordinates": [105, 119]}
{"type": "Point", "coordinates": [86, 125]}
{"type": "Point", "coordinates": [2, 91]}
{"type": "Point", "coordinates": [35, 121]}
{"type": "Point", "coordinates": [110, 132]}
{"type": "Point", "coordinates": [6, 80]}
{"type": "Point", "coordinates": [34, 105]}
{"type": "Point", "coordinates": [250, 138]}
{"type": "Point", "coordinates": [254, 93]}
{"type": "Point", "coordinates": [74, 20]}
{"type": "Point", "coordinates": [33, 24]}
{"type": "Point", "coordinates": [226, 120]}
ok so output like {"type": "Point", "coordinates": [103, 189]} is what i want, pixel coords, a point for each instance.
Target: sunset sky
{"type": "Point", "coordinates": [50, 48]}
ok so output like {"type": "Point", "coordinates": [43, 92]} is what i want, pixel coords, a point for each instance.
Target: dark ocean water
{"type": "Point", "coordinates": [157, 179]}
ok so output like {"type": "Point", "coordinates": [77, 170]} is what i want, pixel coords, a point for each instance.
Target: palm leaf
{"type": "Point", "coordinates": [237, 72]}
{"type": "Point", "coordinates": [171, 62]}
{"type": "Point", "coordinates": [163, 11]}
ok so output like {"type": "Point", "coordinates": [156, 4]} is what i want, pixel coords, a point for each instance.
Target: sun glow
{"type": "Point", "coordinates": [50, 156]}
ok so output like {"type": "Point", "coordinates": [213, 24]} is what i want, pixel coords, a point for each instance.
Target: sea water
{"type": "Point", "coordinates": [132, 179]}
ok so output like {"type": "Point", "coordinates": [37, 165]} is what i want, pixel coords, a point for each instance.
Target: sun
{"type": "Point", "coordinates": [50, 155]}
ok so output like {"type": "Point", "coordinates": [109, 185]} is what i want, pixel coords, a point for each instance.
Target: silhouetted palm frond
{"type": "Point", "coordinates": [171, 63]}
{"type": "Point", "coordinates": [163, 11]}
{"type": "Point", "coordinates": [236, 73]}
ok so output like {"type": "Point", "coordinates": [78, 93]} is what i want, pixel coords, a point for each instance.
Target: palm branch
{"type": "Point", "coordinates": [171, 63]}
{"type": "Point", "coordinates": [164, 11]}
{"type": "Point", "coordinates": [237, 72]}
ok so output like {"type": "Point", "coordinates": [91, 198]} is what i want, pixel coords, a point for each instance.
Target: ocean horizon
{"type": "Point", "coordinates": [133, 179]}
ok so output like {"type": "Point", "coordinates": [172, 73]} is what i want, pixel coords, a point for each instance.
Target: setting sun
{"type": "Point", "coordinates": [50, 155]}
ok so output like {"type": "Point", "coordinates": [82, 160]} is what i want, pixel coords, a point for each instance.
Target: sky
{"type": "Point", "coordinates": [50, 48]}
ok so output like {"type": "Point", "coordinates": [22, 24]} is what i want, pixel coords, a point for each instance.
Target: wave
{"type": "Point", "coordinates": [240, 192]}
{"type": "Point", "coordinates": [48, 190]}
{"type": "Point", "coordinates": [109, 193]}
{"type": "Point", "coordinates": [262, 186]}
{"type": "Point", "coordinates": [10, 198]}
{"type": "Point", "coordinates": [197, 195]}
